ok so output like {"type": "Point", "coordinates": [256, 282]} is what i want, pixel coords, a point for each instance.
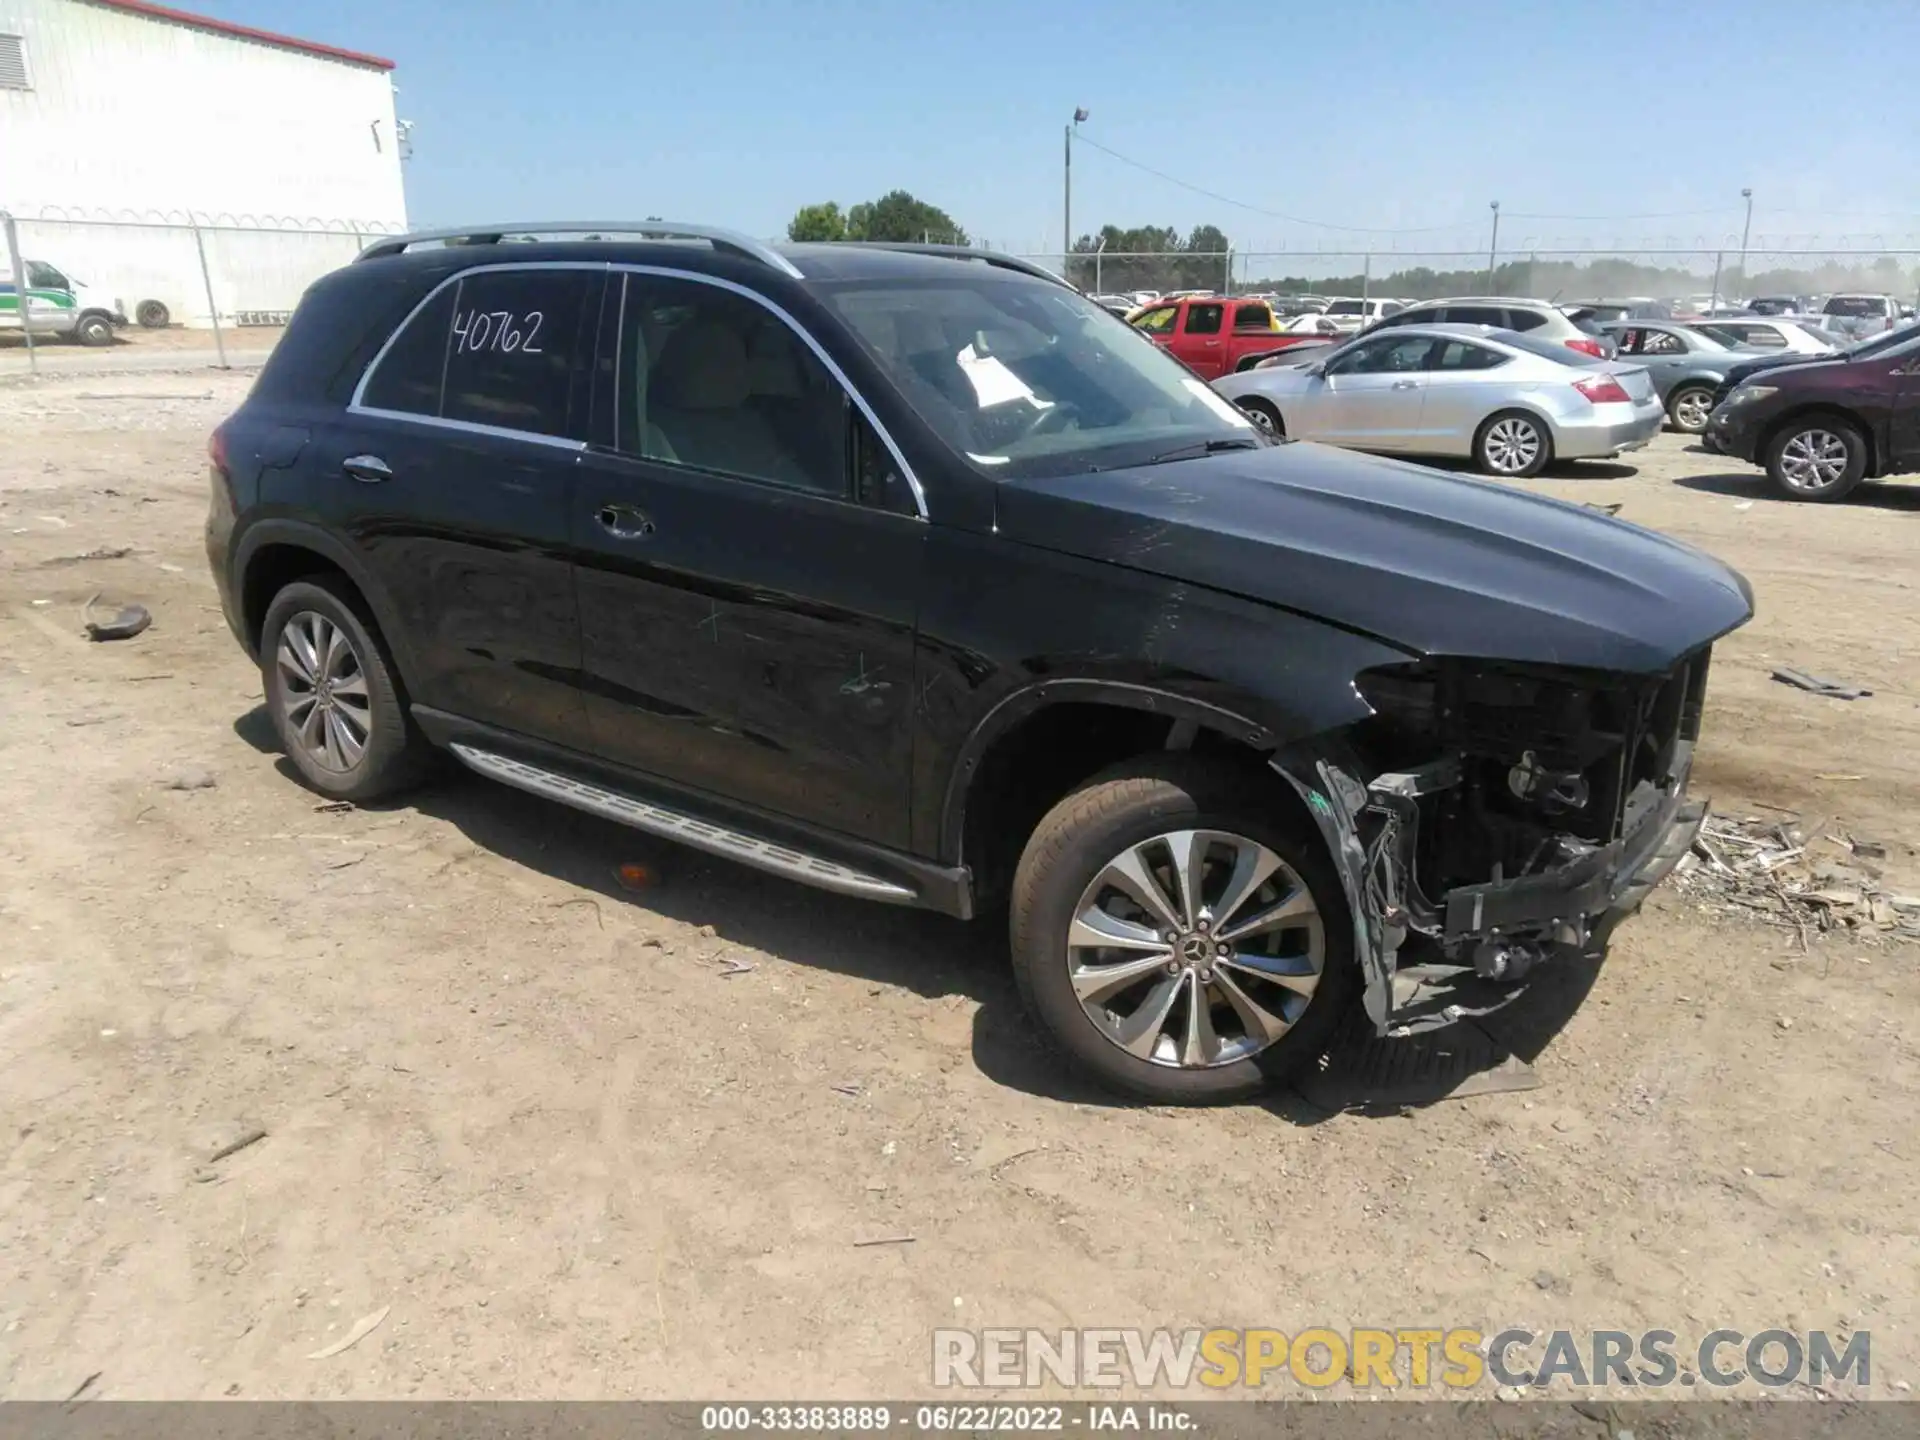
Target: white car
{"type": "Point", "coordinates": [1350, 316]}
{"type": "Point", "coordinates": [1757, 333]}
{"type": "Point", "coordinates": [1509, 402]}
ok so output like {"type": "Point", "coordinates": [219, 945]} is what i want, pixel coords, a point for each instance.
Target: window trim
{"type": "Point", "coordinates": [355, 407]}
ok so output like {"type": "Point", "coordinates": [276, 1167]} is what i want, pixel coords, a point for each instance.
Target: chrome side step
{"type": "Point", "coordinates": [671, 824]}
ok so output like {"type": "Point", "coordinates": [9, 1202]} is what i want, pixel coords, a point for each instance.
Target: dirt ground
{"type": "Point", "coordinates": [578, 1142]}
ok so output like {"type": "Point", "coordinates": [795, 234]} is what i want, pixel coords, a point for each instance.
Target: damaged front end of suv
{"type": "Point", "coordinates": [1503, 811]}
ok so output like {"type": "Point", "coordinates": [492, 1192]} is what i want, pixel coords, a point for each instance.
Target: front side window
{"type": "Point", "coordinates": [1204, 319]}
{"type": "Point", "coordinates": [1384, 357]}
{"type": "Point", "coordinates": [1661, 342]}
{"type": "Point", "coordinates": [501, 348]}
{"type": "Point", "coordinates": [42, 276]}
{"type": "Point", "coordinates": [1159, 321]}
{"type": "Point", "coordinates": [1024, 378]}
{"type": "Point", "coordinates": [711, 380]}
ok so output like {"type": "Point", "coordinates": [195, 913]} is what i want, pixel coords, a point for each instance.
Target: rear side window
{"type": "Point", "coordinates": [515, 349]}
{"type": "Point", "coordinates": [1252, 317]}
{"type": "Point", "coordinates": [1204, 319]}
{"type": "Point", "coordinates": [407, 378]}
{"type": "Point", "coordinates": [499, 348]}
{"type": "Point", "coordinates": [1525, 320]}
{"type": "Point", "coordinates": [1459, 355]}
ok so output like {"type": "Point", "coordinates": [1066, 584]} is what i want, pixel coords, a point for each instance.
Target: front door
{"type": "Point", "coordinates": [749, 572]}
{"type": "Point", "coordinates": [453, 474]}
{"type": "Point", "coordinates": [1373, 394]}
{"type": "Point", "coordinates": [1200, 343]}
{"type": "Point", "coordinates": [1903, 425]}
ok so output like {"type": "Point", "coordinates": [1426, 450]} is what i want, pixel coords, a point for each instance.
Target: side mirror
{"type": "Point", "coordinates": [1315, 367]}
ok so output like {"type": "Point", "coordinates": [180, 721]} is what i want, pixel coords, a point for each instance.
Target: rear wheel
{"type": "Point", "coordinates": [1688, 408]}
{"type": "Point", "coordinates": [331, 692]}
{"type": "Point", "coordinates": [1178, 940]}
{"type": "Point", "coordinates": [1820, 458]}
{"type": "Point", "coordinates": [152, 315]}
{"type": "Point", "coordinates": [1512, 445]}
{"type": "Point", "coordinates": [94, 330]}
{"type": "Point", "coordinates": [1263, 415]}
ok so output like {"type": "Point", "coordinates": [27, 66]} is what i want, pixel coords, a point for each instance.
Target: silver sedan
{"type": "Point", "coordinates": [1508, 402]}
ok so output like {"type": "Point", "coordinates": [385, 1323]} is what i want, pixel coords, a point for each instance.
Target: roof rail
{"type": "Point", "coordinates": [727, 240]}
{"type": "Point", "coordinates": [966, 252]}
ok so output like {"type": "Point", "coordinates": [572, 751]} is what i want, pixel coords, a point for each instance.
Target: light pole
{"type": "Point", "coordinates": [1066, 210]}
{"type": "Point", "coordinates": [1493, 245]}
{"type": "Point", "coordinates": [1745, 231]}
{"type": "Point", "coordinates": [1097, 251]}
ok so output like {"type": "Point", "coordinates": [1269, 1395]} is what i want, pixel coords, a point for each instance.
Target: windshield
{"type": "Point", "coordinates": [1029, 379]}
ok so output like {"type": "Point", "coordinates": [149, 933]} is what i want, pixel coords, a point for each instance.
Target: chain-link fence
{"type": "Point", "coordinates": [1698, 275]}
{"type": "Point", "coordinates": [202, 271]}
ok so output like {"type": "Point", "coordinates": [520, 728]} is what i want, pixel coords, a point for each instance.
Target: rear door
{"type": "Point", "coordinates": [452, 473]}
{"type": "Point", "coordinates": [749, 558]}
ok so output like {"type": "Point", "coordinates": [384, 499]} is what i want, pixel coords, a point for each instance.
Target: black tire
{"type": "Point", "coordinates": [1695, 402]}
{"type": "Point", "coordinates": [1488, 457]}
{"type": "Point", "coordinates": [94, 330]}
{"type": "Point", "coordinates": [1791, 452]}
{"type": "Point", "coordinates": [1264, 414]}
{"type": "Point", "coordinates": [395, 754]}
{"type": "Point", "coordinates": [1125, 806]}
{"type": "Point", "coordinates": [152, 315]}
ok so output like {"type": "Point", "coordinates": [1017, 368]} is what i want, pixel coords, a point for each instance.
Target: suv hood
{"type": "Point", "coordinates": [1432, 562]}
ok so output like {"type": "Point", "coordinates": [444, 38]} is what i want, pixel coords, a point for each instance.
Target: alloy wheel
{"type": "Point", "coordinates": [1195, 949]}
{"type": "Point", "coordinates": [323, 692]}
{"type": "Point", "coordinates": [1691, 409]}
{"type": "Point", "coordinates": [1511, 445]}
{"type": "Point", "coordinates": [1813, 461]}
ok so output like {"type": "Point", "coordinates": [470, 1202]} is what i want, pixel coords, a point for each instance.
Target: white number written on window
{"type": "Point", "coordinates": [499, 331]}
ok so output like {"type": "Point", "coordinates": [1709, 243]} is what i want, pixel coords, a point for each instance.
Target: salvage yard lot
{"type": "Point", "coordinates": [582, 1142]}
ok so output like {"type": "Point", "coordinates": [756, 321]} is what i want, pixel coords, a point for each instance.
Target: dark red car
{"type": "Point", "coordinates": [1215, 335]}
{"type": "Point", "coordinates": [1822, 428]}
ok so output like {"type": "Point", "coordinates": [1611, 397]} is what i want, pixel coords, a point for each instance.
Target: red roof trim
{"type": "Point", "coordinates": [245, 32]}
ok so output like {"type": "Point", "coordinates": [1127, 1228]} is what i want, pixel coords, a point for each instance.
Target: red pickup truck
{"type": "Point", "coordinates": [1214, 335]}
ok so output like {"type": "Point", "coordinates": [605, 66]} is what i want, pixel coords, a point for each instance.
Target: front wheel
{"type": "Point", "coordinates": [1264, 416]}
{"type": "Point", "coordinates": [1688, 408]}
{"type": "Point", "coordinates": [1178, 941]}
{"type": "Point", "coordinates": [94, 330]}
{"type": "Point", "coordinates": [1512, 445]}
{"type": "Point", "coordinates": [1821, 458]}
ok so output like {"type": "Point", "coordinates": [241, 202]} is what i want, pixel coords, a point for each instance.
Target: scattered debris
{"type": "Point", "coordinates": [127, 622]}
{"type": "Point", "coordinates": [1613, 509]}
{"type": "Point", "coordinates": [846, 1088]}
{"type": "Point", "coordinates": [599, 918]}
{"type": "Point", "coordinates": [249, 1136]}
{"type": "Point", "coordinates": [1769, 872]}
{"type": "Point", "coordinates": [1839, 777]}
{"type": "Point", "coordinates": [362, 1328]}
{"type": "Point", "coordinates": [1835, 689]}
{"type": "Point", "coordinates": [885, 1240]}
{"type": "Point", "coordinates": [195, 778]}
{"type": "Point", "coordinates": [1744, 505]}
{"type": "Point", "coordinates": [84, 1386]}
{"type": "Point", "coordinates": [333, 807]}
{"type": "Point", "coordinates": [105, 552]}
{"type": "Point", "coordinates": [734, 967]}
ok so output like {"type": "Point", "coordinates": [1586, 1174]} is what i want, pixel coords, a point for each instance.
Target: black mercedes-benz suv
{"type": "Point", "coordinates": [910, 573]}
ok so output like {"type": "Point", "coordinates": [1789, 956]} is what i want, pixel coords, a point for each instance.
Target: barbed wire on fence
{"type": "Point", "coordinates": [208, 220]}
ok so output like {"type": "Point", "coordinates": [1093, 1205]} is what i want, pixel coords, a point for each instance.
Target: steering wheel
{"type": "Point", "coordinates": [1051, 420]}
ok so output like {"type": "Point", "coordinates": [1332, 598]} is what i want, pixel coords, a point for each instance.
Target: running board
{"type": "Point", "coordinates": [672, 825]}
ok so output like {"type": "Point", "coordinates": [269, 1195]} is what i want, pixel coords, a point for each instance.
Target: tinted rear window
{"type": "Point", "coordinates": [1857, 307]}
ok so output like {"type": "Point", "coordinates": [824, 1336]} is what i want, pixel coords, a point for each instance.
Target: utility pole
{"type": "Point", "coordinates": [1066, 210]}
{"type": "Point", "coordinates": [1098, 251]}
{"type": "Point", "coordinates": [1746, 231]}
{"type": "Point", "coordinates": [1493, 245]}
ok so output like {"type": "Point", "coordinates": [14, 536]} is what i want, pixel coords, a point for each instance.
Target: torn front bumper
{"type": "Point", "coordinates": [1371, 831]}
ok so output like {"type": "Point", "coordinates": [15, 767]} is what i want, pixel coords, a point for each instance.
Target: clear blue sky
{"type": "Point", "coordinates": [1388, 114]}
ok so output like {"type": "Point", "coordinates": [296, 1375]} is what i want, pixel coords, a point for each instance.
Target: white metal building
{"type": "Point", "coordinates": [280, 150]}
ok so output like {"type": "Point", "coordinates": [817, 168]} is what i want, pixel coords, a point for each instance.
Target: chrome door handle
{"type": "Point", "coordinates": [368, 469]}
{"type": "Point", "coordinates": [623, 522]}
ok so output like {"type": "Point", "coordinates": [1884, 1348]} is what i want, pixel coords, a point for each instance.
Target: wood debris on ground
{"type": "Point", "coordinates": [1811, 883]}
